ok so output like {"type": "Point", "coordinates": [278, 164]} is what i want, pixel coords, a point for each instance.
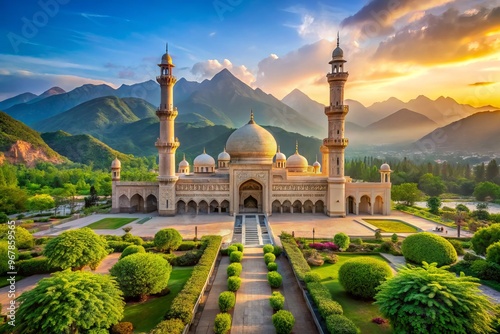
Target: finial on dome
{"type": "Point", "coordinates": [184, 156]}
{"type": "Point", "coordinates": [251, 117]}
{"type": "Point", "coordinates": [166, 48]}
{"type": "Point", "coordinates": [278, 149]}
{"type": "Point", "coordinates": [224, 148]}
{"type": "Point", "coordinates": [297, 147]}
{"type": "Point", "coordinates": [204, 152]}
{"type": "Point", "coordinates": [338, 39]}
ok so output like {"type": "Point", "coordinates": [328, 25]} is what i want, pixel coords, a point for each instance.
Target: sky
{"type": "Point", "coordinates": [393, 48]}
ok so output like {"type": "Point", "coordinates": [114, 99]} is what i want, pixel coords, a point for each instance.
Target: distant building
{"type": "Point", "coordinates": [251, 174]}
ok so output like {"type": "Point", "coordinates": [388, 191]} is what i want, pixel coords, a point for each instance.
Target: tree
{"type": "Point", "coordinates": [431, 185]}
{"type": "Point", "coordinates": [342, 240]}
{"type": "Point", "coordinates": [3, 218]}
{"type": "Point", "coordinates": [79, 302]}
{"type": "Point", "coordinates": [492, 170]}
{"type": "Point", "coordinates": [484, 237]}
{"type": "Point", "coordinates": [168, 240]}
{"type": "Point", "coordinates": [432, 300]}
{"type": "Point", "coordinates": [40, 202]}
{"type": "Point", "coordinates": [408, 193]}
{"type": "Point", "coordinates": [493, 253]}
{"type": "Point", "coordinates": [459, 217]}
{"type": "Point", "coordinates": [70, 192]}
{"type": "Point", "coordinates": [24, 239]}
{"type": "Point", "coordinates": [434, 203]}
{"type": "Point", "coordinates": [12, 200]}
{"type": "Point", "coordinates": [93, 199]}
{"type": "Point", "coordinates": [480, 172]}
{"type": "Point", "coordinates": [142, 274]}
{"type": "Point", "coordinates": [483, 190]}
{"type": "Point", "coordinates": [76, 249]}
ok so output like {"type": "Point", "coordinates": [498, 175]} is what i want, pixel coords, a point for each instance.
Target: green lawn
{"type": "Point", "coordinates": [145, 316]}
{"type": "Point", "coordinates": [359, 311]}
{"type": "Point", "coordinates": [110, 223]}
{"type": "Point", "coordinates": [392, 226]}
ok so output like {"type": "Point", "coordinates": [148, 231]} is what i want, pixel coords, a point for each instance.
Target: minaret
{"type": "Point", "coordinates": [336, 142]}
{"type": "Point", "coordinates": [167, 144]}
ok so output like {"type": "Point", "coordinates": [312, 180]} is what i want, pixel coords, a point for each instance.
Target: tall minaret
{"type": "Point", "coordinates": [336, 142]}
{"type": "Point", "coordinates": [167, 144]}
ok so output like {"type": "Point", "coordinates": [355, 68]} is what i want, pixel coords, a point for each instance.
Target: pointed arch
{"type": "Point", "coordinates": [276, 206]}
{"type": "Point", "coordinates": [203, 207]}
{"type": "Point", "coordinates": [214, 206]}
{"type": "Point", "coordinates": [378, 209]}
{"type": "Point", "coordinates": [181, 207]}
{"type": "Point", "coordinates": [287, 206]}
{"type": "Point", "coordinates": [308, 206]}
{"type": "Point", "coordinates": [297, 206]}
{"type": "Point", "coordinates": [151, 203]}
{"type": "Point", "coordinates": [319, 206]}
{"type": "Point", "coordinates": [137, 203]}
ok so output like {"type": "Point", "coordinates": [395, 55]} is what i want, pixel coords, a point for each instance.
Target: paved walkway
{"type": "Point", "coordinates": [211, 308]}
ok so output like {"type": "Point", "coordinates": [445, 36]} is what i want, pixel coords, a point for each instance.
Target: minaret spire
{"type": "Point", "coordinates": [251, 117]}
{"type": "Point", "coordinates": [338, 39]}
{"type": "Point", "coordinates": [297, 147]}
{"type": "Point", "coordinates": [166, 48]}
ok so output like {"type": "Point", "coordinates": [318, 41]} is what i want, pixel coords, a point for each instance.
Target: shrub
{"type": "Point", "coordinates": [428, 247]}
{"type": "Point", "coordinates": [493, 253]}
{"type": "Point", "coordinates": [277, 301]}
{"type": "Point", "coordinates": [132, 249]}
{"type": "Point", "coordinates": [122, 328]}
{"type": "Point", "coordinates": [222, 323]}
{"type": "Point", "coordinates": [227, 300]}
{"type": "Point", "coordinates": [171, 326]}
{"type": "Point", "coordinates": [5, 257]}
{"type": "Point", "coordinates": [361, 276]}
{"type": "Point", "coordinates": [24, 256]}
{"type": "Point", "coordinates": [312, 277]}
{"type": "Point", "coordinates": [268, 248]}
{"type": "Point", "coordinates": [148, 244]}
{"type": "Point", "coordinates": [168, 240]}
{"type": "Point", "coordinates": [358, 241]}
{"type": "Point", "coordinates": [324, 245]}
{"type": "Point", "coordinates": [283, 322]}
{"type": "Point", "coordinates": [38, 265]}
{"type": "Point", "coordinates": [188, 245]}
{"type": "Point", "coordinates": [269, 257]}
{"type": "Point", "coordinates": [295, 256]}
{"type": "Point", "coordinates": [394, 238]}
{"type": "Point", "coordinates": [389, 247]}
{"type": "Point", "coordinates": [378, 235]}
{"type": "Point", "coordinates": [471, 257]}
{"type": "Point", "coordinates": [272, 266]}
{"type": "Point", "coordinates": [188, 259]}
{"type": "Point", "coordinates": [234, 269]}
{"type": "Point", "coordinates": [331, 258]}
{"type": "Point", "coordinates": [233, 283]}
{"type": "Point", "coordinates": [342, 240]}
{"type": "Point", "coordinates": [118, 246]}
{"type": "Point", "coordinates": [239, 246]}
{"type": "Point", "coordinates": [42, 240]}
{"type": "Point", "coordinates": [458, 246]}
{"type": "Point", "coordinates": [486, 270]}
{"type": "Point", "coordinates": [277, 250]}
{"type": "Point", "coordinates": [24, 239]}
{"type": "Point", "coordinates": [339, 324]}
{"type": "Point", "coordinates": [128, 237]}
{"type": "Point", "coordinates": [328, 307]}
{"type": "Point", "coordinates": [274, 278]}
{"type": "Point", "coordinates": [485, 237]}
{"type": "Point", "coordinates": [236, 256]}
{"type": "Point", "coordinates": [231, 249]}
{"type": "Point", "coordinates": [141, 274]}
{"type": "Point", "coordinates": [318, 292]}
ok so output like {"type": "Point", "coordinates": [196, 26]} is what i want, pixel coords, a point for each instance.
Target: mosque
{"type": "Point", "coordinates": [251, 175]}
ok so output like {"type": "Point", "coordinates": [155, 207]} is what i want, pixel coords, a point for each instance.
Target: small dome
{"type": "Point", "coordinates": [316, 164]}
{"type": "Point", "coordinates": [166, 59]}
{"type": "Point", "coordinates": [279, 156]}
{"type": "Point", "coordinates": [116, 163]}
{"type": "Point", "coordinates": [297, 162]}
{"type": "Point", "coordinates": [338, 53]}
{"type": "Point", "coordinates": [183, 163]}
{"type": "Point", "coordinates": [204, 160]}
{"type": "Point", "coordinates": [224, 156]}
{"type": "Point", "coordinates": [385, 168]}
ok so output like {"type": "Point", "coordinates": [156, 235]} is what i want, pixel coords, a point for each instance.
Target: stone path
{"type": "Point", "coordinates": [211, 308]}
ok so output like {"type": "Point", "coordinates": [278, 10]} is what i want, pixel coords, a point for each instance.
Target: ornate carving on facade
{"type": "Point", "coordinates": [251, 175]}
{"type": "Point", "coordinates": [202, 187]}
{"type": "Point", "coordinates": [300, 187]}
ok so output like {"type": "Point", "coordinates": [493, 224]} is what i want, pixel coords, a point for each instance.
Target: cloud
{"type": "Point", "coordinates": [208, 68]}
{"type": "Point", "coordinates": [377, 18]}
{"type": "Point", "coordinates": [448, 38]}
{"type": "Point", "coordinates": [483, 83]}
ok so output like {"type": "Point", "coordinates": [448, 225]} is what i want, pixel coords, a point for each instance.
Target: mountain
{"type": "Point", "coordinates": [98, 116]}
{"type": "Point", "coordinates": [21, 98]}
{"type": "Point", "coordinates": [387, 107]}
{"type": "Point", "coordinates": [183, 90]}
{"type": "Point", "coordinates": [21, 144]}
{"type": "Point", "coordinates": [309, 108]}
{"type": "Point", "coordinates": [49, 92]}
{"type": "Point", "coordinates": [477, 133]}
{"type": "Point", "coordinates": [359, 114]}
{"type": "Point", "coordinates": [84, 149]}
{"type": "Point", "coordinates": [31, 113]}
{"type": "Point", "coordinates": [148, 90]}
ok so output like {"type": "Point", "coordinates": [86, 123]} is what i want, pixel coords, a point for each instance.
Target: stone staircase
{"type": "Point", "coordinates": [252, 235]}
{"type": "Point", "coordinates": [266, 238]}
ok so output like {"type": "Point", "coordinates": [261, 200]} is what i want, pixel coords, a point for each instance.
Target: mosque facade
{"type": "Point", "coordinates": [251, 175]}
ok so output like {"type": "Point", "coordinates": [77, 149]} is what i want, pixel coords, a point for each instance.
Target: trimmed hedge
{"type": "Point", "coordinates": [277, 301]}
{"type": "Point", "coordinates": [132, 249]}
{"type": "Point", "coordinates": [457, 245]}
{"type": "Point", "coordinates": [183, 304]}
{"type": "Point", "coordinates": [118, 246]}
{"type": "Point", "coordinates": [234, 269]}
{"type": "Point", "coordinates": [328, 307]}
{"type": "Point", "coordinates": [283, 322]}
{"type": "Point", "coordinates": [320, 293]}
{"type": "Point", "coordinates": [171, 326]}
{"type": "Point", "coordinates": [222, 323]}
{"type": "Point", "coordinates": [227, 300]}
{"type": "Point", "coordinates": [277, 250]}
{"type": "Point", "coordinates": [235, 256]}
{"type": "Point", "coordinates": [233, 283]}
{"type": "Point", "coordinates": [342, 240]}
{"type": "Point", "coordinates": [339, 324]}
{"type": "Point", "coordinates": [190, 258]}
{"type": "Point", "coordinates": [272, 266]}
{"type": "Point", "coordinates": [293, 252]}
{"type": "Point", "coordinates": [269, 257]}
{"type": "Point", "coordinates": [428, 247]}
{"type": "Point", "coordinates": [35, 266]}
{"type": "Point", "coordinates": [268, 248]}
{"type": "Point", "coordinates": [361, 276]}
{"type": "Point", "coordinates": [274, 278]}
{"type": "Point", "coordinates": [312, 277]}
{"type": "Point", "coordinates": [188, 245]}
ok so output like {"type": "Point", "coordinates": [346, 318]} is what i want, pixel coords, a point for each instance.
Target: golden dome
{"type": "Point", "coordinates": [297, 162]}
{"type": "Point", "coordinates": [251, 143]}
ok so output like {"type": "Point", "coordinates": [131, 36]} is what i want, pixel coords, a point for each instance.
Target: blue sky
{"type": "Point", "coordinates": [276, 45]}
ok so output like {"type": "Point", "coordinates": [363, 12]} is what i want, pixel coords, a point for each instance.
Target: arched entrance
{"type": "Point", "coordinates": [181, 207]}
{"type": "Point", "coordinates": [137, 203]}
{"type": "Point", "coordinates": [276, 207]}
{"type": "Point", "coordinates": [308, 206]}
{"type": "Point", "coordinates": [287, 206]}
{"type": "Point", "coordinates": [192, 207]}
{"type": "Point", "coordinates": [124, 203]}
{"type": "Point", "coordinates": [320, 206]}
{"type": "Point", "coordinates": [251, 196]}
{"type": "Point", "coordinates": [297, 207]}
{"type": "Point", "coordinates": [351, 205]}
{"type": "Point", "coordinates": [364, 205]}
{"type": "Point", "coordinates": [378, 209]}
{"type": "Point", "coordinates": [224, 206]}
{"type": "Point", "coordinates": [203, 207]}
{"type": "Point", "coordinates": [151, 203]}
{"type": "Point", "coordinates": [214, 206]}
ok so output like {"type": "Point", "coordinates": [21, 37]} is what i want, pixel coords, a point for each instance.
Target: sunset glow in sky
{"type": "Point", "coordinates": [400, 48]}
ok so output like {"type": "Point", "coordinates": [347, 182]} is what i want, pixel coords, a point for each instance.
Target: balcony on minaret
{"type": "Point", "coordinates": [167, 144]}
{"type": "Point", "coordinates": [341, 76]}
{"type": "Point", "coordinates": [336, 142]}
{"type": "Point", "coordinates": [165, 80]}
{"type": "Point", "coordinates": [164, 110]}
{"type": "Point", "coordinates": [340, 109]}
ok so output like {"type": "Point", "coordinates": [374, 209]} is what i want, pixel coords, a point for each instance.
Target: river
{"type": "Point", "coordinates": [492, 208]}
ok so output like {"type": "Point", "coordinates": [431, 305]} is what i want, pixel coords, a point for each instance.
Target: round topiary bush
{"type": "Point", "coordinates": [222, 323]}
{"type": "Point", "coordinates": [168, 240]}
{"type": "Point", "coordinates": [272, 266]}
{"type": "Point", "coordinates": [283, 322]}
{"type": "Point", "coordinates": [239, 246]}
{"type": "Point", "coordinates": [132, 249]}
{"type": "Point", "coordinates": [428, 247]}
{"type": "Point", "coordinates": [171, 326]}
{"type": "Point", "coordinates": [274, 278]}
{"type": "Point", "coordinates": [236, 256]}
{"type": "Point", "coordinates": [361, 276]}
{"type": "Point", "coordinates": [342, 240]}
{"type": "Point", "coordinates": [268, 248]}
{"type": "Point", "coordinates": [234, 269]}
{"type": "Point", "coordinates": [227, 300]}
{"type": "Point", "coordinates": [269, 257]}
{"type": "Point", "coordinates": [231, 249]}
{"type": "Point", "coordinates": [312, 277]}
{"type": "Point", "coordinates": [233, 283]}
{"type": "Point", "coordinates": [337, 323]}
{"type": "Point", "coordinates": [277, 301]}
{"type": "Point", "coordinates": [493, 253]}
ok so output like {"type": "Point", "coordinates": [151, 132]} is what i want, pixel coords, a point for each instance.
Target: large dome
{"type": "Point", "coordinates": [251, 143]}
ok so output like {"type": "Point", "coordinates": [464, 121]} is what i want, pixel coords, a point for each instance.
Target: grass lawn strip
{"type": "Point", "coordinates": [392, 226]}
{"type": "Point", "coordinates": [110, 223]}
{"type": "Point", "coordinates": [145, 316]}
{"type": "Point", "coordinates": [359, 311]}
